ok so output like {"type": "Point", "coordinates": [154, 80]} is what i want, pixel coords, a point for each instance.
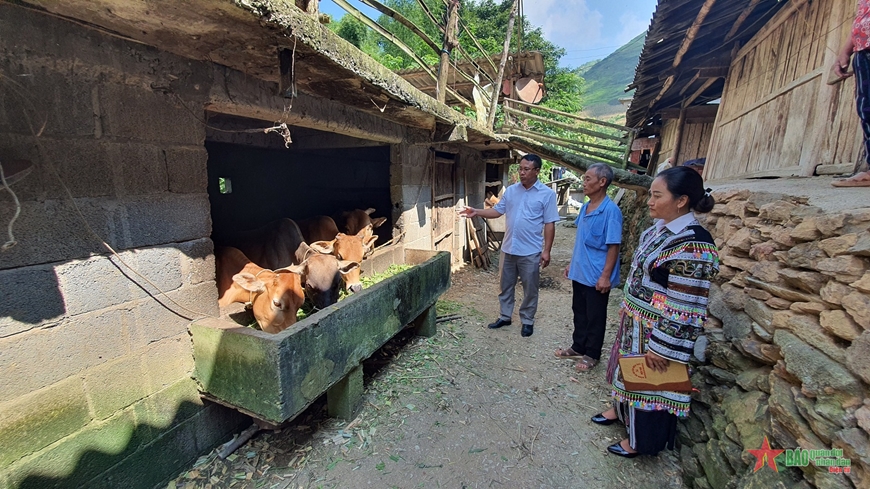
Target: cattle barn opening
{"type": "Point", "coordinates": [253, 178]}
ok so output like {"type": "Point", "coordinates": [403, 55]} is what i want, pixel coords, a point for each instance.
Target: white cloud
{"type": "Point", "coordinates": [631, 27]}
{"type": "Point", "coordinates": [567, 23]}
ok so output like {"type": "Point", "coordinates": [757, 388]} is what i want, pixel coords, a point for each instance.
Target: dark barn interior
{"type": "Point", "coordinates": [264, 181]}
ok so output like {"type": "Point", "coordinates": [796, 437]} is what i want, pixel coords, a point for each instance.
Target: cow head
{"type": "Point", "coordinates": [275, 297]}
{"type": "Point", "coordinates": [356, 220]}
{"type": "Point", "coordinates": [322, 273]}
{"type": "Point", "coordinates": [351, 248]}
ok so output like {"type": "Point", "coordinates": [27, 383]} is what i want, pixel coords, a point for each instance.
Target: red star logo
{"type": "Point", "coordinates": [767, 455]}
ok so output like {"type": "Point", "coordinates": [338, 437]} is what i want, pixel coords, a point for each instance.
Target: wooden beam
{"type": "Point", "coordinates": [684, 47]}
{"type": "Point", "coordinates": [572, 116]}
{"type": "Point", "coordinates": [695, 112]}
{"type": "Point", "coordinates": [568, 143]}
{"type": "Point", "coordinates": [621, 178]}
{"type": "Point", "coordinates": [571, 127]}
{"type": "Point", "coordinates": [740, 20]}
{"type": "Point", "coordinates": [713, 72]}
{"type": "Point", "coordinates": [449, 43]}
{"type": "Point", "coordinates": [686, 87]}
{"type": "Point", "coordinates": [404, 21]}
{"type": "Point", "coordinates": [496, 87]}
{"type": "Point", "coordinates": [693, 32]}
{"type": "Point", "coordinates": [697, 93]}
{"type": "Point", "coordinates": [495, 154]}
{"type": "Point", "coordinates": [678, 138]}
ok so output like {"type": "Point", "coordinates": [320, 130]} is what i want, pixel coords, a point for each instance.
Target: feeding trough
{"type": "Point", "coordinates": [274, 377]}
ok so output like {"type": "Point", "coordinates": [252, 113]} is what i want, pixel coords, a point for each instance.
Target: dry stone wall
{"type": "Point", "coordinates": [789, 347]}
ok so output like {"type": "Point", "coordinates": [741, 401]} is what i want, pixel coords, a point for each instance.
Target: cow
{"type": "Point", "coordinates": [322, 232]}
{"type": "Point", "coordinates": [279, 244]}
{"type": "Point", "coordinates": [274, 295]}
{"type": "Point", "coordinates": [352, 222]}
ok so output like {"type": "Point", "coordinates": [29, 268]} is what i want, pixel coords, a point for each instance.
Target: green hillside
{"type": "Point", "coordinates": [606, 80]}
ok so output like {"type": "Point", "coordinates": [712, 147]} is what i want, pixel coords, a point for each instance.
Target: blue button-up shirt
{"type": "Point", "coordinates": [595, 232]}
{"type": "Point", "coordinates": [526, 211]}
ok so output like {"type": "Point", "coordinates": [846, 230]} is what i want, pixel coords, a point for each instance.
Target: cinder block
{"type": "Point", "coordinates": [29, 297]}
{"type": "Point", "coordinates": [34, 421]}
{"type": "Point", "coordinates": [56, 103]}
{"type": "Point", "coordinates": [197, 261]}
{"type": "Point", "coordinates": [38, 358]}
{"type": "Point", "coordinates": [155, 321]}
{"type": "Point", "coordinates": [416, 195]}
{"type": "Point", "coordinates": [175, 450]}
{"type": "Point", "coordinates": [52, 231]}
{"type": "Point", "coordinates": [167, 362]}
{"type": "Point", "coordinates": [161, 411]}
{"type": "Point", "coordinates": [161, 265]}
{"type": "Point", "coordinates": [187, 170]}
{"type": "Point", "coordinates": [81, 457]}
{"type": "Point", "coordinates": [138, 168]}
{"type": "Point", "coordinates": [114, 385]}
{"type": "Point", "coordinates": [94, 284]}
{"type": "Point", "coordinates": [130, 112]}
{"type": "Point", "coordinates": [167, 218]}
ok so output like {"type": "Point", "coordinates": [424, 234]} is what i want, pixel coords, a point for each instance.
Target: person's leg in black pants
{"type": "Point", "coordinates": [590, 320]}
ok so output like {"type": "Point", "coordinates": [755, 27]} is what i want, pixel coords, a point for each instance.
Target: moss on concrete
{"type": "Point", "coordinates": [34, 421]}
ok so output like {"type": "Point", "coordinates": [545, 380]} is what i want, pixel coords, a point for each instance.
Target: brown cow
{"type": "Point", "coordinates": [280, 244]}
{"type": "Point", "coordinates": [321, 231]}
{"type": "Point", "coordinates": [352, 222]}
{"type": "Point", "coordinates": [275, 296]}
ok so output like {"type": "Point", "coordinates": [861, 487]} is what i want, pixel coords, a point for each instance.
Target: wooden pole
{"type": "Point", "coordinates": [496, 88]}
{"type": "Point", "coordinates": [678, 137]}
{"type": "Point", "coordinates": [449, 44]}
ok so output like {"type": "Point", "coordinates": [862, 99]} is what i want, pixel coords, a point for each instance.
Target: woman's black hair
{"type": "Point", "coordinates": [682, 180]}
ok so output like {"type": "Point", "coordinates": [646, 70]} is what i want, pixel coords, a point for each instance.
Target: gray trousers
{"type": "Point", "coordinates": [528, 269]}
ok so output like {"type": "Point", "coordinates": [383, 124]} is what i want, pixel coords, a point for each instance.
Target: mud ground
{"type": "Point", "coordinates": [468, 408]}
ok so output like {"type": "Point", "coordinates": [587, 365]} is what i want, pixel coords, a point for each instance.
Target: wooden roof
{"type": "Point", "coordinates": [519, 65]}
{"type": "Point", "coordinates": [688, 49]}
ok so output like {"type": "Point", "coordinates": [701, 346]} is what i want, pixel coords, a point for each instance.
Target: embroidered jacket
{"type": "Point", "coordinates": [665, 305]}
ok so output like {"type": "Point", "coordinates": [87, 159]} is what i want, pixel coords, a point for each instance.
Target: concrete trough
{"type": "Point", "coordinates": [273, 378]}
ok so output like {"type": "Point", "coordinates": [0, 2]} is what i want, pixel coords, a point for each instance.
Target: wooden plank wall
{"type": "Point", "coordinates": [695, 140]}
{"type": "Point", "coordinates": [777, 115]}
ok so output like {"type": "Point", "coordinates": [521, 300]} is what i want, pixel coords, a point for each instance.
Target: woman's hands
{"type": "Point", "coordinates": [655, 362]}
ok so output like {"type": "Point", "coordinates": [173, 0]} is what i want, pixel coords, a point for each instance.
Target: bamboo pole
{"type": "Point", "coordinates": [449, 44]}
{"type": "Point", "coordinates": [615, 149]}
{"type": "Point", "coordinates": [496, 88]}
{"type": "Point", "coordinates": [571, 127]}
{"type": "Point", "coordinates": [572, 145]}
{"type": "Point", "coordinates": [572, 116]}
{"type": "Point", "coordinates": [402, 20]}
{"type": "Point", "coordinates": [399, 44]}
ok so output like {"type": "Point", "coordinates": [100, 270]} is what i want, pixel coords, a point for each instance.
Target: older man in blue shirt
{"type": "Point", "coordinates": [594, 267]}
{"type": "Point", "coordinates": [531, 214]}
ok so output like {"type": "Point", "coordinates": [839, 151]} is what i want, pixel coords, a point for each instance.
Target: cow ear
{"type": "Point", "coordinates": [297, 269]}
{"type": "Point", "coordinates": [370, 210]}
{"type": "Point", "coordinates": [347, 266]}
{"type": "Point", "coordinates": [370, 244]}
{"type": "Point", "coordinates": [249, 282]}
{"type": "Point", "coordinates": [324, 247]}
{"type": "Point", "coordinates": [302, 251]}
{"type": "Point", "coordinates": [378, 221]}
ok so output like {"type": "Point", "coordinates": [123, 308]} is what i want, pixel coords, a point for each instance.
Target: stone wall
{"type": "Point", "coordinates": [789, 351]}
{"type": "Point", "coordinates": [95, 388]}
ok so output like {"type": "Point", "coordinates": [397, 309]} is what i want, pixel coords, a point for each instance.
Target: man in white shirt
{"type": "Point", "coordinates": [531, 214]}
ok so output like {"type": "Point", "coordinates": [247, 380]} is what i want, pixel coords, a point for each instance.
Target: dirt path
{"type": "Point", "coordinates": [470, 407]}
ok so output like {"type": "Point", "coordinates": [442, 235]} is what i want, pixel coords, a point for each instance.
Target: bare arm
{"type": "Point", "coordinates": [484, 213]}
{"type": "Point", "coordinates": [549, 235]}
{"type": "Point", "coordinates": [841, 65]}
{"type": "Point", "coordinates": [603, 285]}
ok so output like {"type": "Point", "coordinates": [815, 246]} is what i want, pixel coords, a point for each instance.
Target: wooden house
{"type": "Point", "coordinates": [743, 83]}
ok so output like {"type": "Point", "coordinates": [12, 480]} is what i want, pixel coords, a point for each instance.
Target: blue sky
{"type": "Point", "coordinates": [587, 29]}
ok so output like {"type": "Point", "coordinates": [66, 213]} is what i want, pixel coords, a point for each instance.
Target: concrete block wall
{"type": "Point", "coordinates": [94, 372]}
{"type": "Point", "coordinates": [411, 191]}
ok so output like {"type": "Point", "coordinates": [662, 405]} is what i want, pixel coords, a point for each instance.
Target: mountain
{"type": "Point", "coordinates": [606, 80]}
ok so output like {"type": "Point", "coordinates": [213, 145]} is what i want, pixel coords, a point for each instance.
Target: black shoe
{"type": "Point", "coordinates": [499, 323]}
{"type": "Point", "coordinates": [617, 449]}
{"type": "Point", "coordinates": [600, 419]}
{"type": "Point", "coordinates": [528, 329]}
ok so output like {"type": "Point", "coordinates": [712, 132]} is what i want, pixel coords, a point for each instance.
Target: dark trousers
{"type": "Point", "coordinates": [861, 65]}
{"type": "Point", "coordinates": [590, 320]}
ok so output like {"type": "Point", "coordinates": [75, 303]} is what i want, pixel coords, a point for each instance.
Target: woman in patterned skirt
{"type": "Point", "coordinates": [664, 309]}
